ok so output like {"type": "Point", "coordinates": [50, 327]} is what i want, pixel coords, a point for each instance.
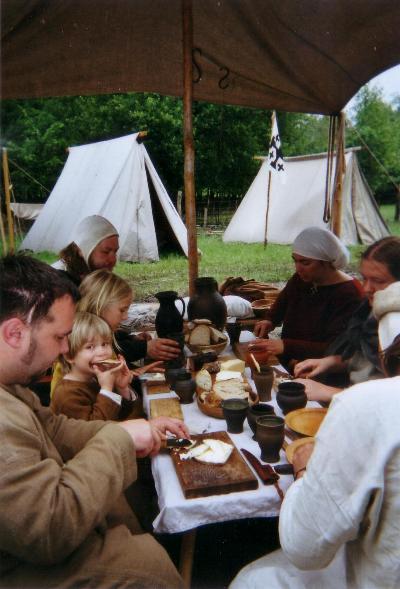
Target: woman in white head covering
{"type": "Point", "coordinates": [316, 303]}
{"type": "Point", "coordinates": [94, 247]}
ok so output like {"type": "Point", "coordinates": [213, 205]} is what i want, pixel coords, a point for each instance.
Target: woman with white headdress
{"type": "Point", "coordinates": [316, 303]}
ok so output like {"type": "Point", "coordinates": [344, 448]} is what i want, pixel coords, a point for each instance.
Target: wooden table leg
{"type": "Point", "coordinates": [186, 557]}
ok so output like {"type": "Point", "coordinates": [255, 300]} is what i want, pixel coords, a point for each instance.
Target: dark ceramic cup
{"type": "Point", "coordinates": [263, 381]}
{"type": "Point", "coordinates": [270, 436]}
{"type": "Point", "coordinates": [185, 387]}
{"type": "Point", "coordinates": [171, 374]}
{"type": "Point", "coordinates": [255, 411]}
{"type": "Point", "coordinates": [234, 411]}
{"type": "Point", "coordinates": [290, 396]}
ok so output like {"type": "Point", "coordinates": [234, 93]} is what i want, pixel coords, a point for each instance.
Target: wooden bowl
{"type": "Point", "coordinates": [210, 410]}
{"type": "Point", "coordinates": [305, 421]}
{"type": "Point", "coordinates": [291, 449]}
{"type": "Point", "coordinates": [199, 349]}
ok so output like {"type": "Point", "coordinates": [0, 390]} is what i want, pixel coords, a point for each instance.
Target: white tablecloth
{"type": "Point", "coordinates": [178, 514]}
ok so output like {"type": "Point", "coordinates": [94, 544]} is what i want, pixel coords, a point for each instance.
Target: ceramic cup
{"type": "Point", "coordinates": [172, 373]}
{"type": "Point", "coordinates": [263, 381]}
{"type": "Point", "coordinates": [234, 411]}
{"type": "Point", "coordinates": [255, 411]}
{"type": "Point", "coordinates": [290, 396]}
{"type": "Point", "coordinates": [270, 436]}
{"type": "Point", "coordinates": [185, 387]}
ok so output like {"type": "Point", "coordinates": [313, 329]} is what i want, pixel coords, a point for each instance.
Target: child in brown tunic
{"type": "Point", "coordinates": [88, 390]}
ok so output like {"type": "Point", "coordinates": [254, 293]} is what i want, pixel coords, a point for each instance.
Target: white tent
{"type": "Point", "coordinates": [117, 180]}
{"type": "Point", "coordinates": [299, 203]}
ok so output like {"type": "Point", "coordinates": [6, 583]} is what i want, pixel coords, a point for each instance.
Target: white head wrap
{"type": "Point", "coordinates": [90, 232]}
{"type": "Point", "coordinates": [321, 244]}
{"type": "Point", "coordinates": [386, 308]}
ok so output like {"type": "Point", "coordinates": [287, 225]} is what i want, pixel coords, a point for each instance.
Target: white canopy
{"type": "Point", "coordinates": [115, 179]}
{"type": "Point", "coordinates": [299, 203]}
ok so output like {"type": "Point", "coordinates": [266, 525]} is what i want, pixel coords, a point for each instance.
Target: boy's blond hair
{"type": "Point", "coordinates": [86, 327]}
{"type": "Point", "coordinates": [101, 289]}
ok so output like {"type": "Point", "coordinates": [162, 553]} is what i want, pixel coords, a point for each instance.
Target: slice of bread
{"type": "Point", "coordinates": [228, 389]}
{"type": "Point", "coordinates": [216, 335]}
{"type": "Point", "coordinates": [200, 335]}
{"type": "Point", "coordinates": [204, 380]}
{"type": "Point", "coordinates": [234, 364]}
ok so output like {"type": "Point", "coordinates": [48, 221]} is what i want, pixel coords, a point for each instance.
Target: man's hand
{"type": "Point", "coordinates": [163, 349]}
{"type": "Point", "coordinates": [147, 439]}
{"type": "Point", "coordinates": [314, 366]}
{"type": "Point", "coordinates": [261, 328]}
{"type": "Point", "coordinates": [301, 458]}
{"type": "Point", "coordinates": [316, 391]}
{"type": "Point", "coordinates": [171, 425]}
{"type": "Point", "coordinates": [270, 346]}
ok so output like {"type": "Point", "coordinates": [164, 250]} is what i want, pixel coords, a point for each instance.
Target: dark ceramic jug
{"type": "Point", "coordinates": [172, 373]}
{"type": "Point", "coordinates": [291, 396]}
{"type": "Point", "coordinates": [207, 303]}
{"type": "Point", "coordinates": [168, 319]}
{"type": "Point", "coordinates": [255, 411]}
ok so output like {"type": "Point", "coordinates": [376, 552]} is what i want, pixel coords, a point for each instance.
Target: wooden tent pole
{"type": "Point", "coordinates": [10, 222]}
{"type": "Point", "coordinates": [267, 212]}
{"type": "Point", "coordinates": [190, 202]}
{"type": "Point", "coordinates": [339, 176]}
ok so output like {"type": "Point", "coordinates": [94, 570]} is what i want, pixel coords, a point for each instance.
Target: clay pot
{"type": "Point", "coordinates": [234, 411]}
{"type": "Point", "coordinates": [270, 436]}
{"type": "Point", "coordinates": [256, 411]}
{"type": "Point", "coordinates": [291, 396]}
{"type": "Point", "coordinates": [185, 387]}
{"type": "Point", "coordinates": [263, 381]}
{"type": "Point", "coordinates": [207, 303]}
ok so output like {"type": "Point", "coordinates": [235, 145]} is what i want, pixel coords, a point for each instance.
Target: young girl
{"type": "Point", "coordinates": [89, 389]}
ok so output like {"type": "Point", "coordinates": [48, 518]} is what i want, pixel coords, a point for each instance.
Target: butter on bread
{"type": "Point", "coordinates": [235, 364]}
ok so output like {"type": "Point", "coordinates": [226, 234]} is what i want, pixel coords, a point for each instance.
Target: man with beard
{"type": "Point", "coordinates": [64, 521]}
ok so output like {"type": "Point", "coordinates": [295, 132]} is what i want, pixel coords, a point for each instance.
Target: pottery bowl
{"type": "Point", "coordinates": [305, 421]}
{"type": "Point", "coordinates": [260, 307]}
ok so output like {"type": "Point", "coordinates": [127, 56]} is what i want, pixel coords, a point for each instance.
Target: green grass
{"type": "Point", "coordinates": [221, 260]}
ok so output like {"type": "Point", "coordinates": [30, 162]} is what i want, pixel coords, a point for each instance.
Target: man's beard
{"type": "Point", "coordinates": [27, 360]}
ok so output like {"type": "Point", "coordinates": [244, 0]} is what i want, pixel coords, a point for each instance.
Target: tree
{"type": "Point", "coordinates": [377, 124]}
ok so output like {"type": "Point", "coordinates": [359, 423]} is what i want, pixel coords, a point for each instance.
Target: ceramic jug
{"type": "Point", "coordinates": [168, 319]}
{"type": "Point", "coordinates": [207, 303]}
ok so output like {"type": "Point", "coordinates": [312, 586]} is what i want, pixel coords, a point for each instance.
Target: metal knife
{"type": "Point", "coordinates": [177, 443]}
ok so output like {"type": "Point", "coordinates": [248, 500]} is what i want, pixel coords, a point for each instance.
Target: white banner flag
{"type": "Point", "coordinates": [275, 156]}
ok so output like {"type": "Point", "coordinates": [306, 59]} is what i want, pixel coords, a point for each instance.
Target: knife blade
{"type": "Point", "coordinates": [177, 443]}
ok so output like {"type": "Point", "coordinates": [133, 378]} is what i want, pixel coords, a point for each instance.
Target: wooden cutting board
{"type": "Point", "coordinates": [166, 408]}
{"type": "Point", "coordinates": [202, 480]}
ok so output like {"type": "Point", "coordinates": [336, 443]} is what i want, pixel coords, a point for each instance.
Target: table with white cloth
{"type": "Point", "coordinates": [178, 514]}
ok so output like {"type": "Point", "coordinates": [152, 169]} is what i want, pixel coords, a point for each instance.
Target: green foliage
{"type": "Point", "coordinates": [378, 124]}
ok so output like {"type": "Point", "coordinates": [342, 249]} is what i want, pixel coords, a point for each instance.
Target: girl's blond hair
{"type": "Point", "coordinates": [101, 289]}
{"type": "Point", "coordinates": [86, 327]}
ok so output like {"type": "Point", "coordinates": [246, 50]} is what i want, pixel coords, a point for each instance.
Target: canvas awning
{"type": "Point", "coordinates": [308, 56]}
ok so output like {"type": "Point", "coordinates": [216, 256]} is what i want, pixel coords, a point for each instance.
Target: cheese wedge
{"type": "Point", "coordinates": [228, 375]}
{"type": "Point", "coordinates": [235, 364]}
{"type": "Point", "coordinates": [210, 452]}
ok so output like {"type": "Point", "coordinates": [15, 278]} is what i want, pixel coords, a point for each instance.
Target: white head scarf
{"type": "Point", "coordinates": [386, 308]}
{"type": "Point", "coordinates": [321, 244]}
{"type": "Point", "coordinates": [90, 232]}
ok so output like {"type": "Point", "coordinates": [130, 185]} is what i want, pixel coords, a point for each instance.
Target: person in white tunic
{"type": "Point", "coordinates": [340, 521]}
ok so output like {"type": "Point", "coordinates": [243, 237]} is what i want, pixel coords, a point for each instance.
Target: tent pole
{"type": "Point", "coordinates": [190, 204]}
{"type": "Point", "coordinates": [10, 223]}
{"type": "Point", "coordinates": [339, 176]}
{"type": "Point", "coordinates": [266, 214]}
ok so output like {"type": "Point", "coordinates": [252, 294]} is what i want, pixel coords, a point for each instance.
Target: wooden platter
{"type": "Point", "coordinates": [166, 408]}
{"type": "Point", "coordinates": [201, 480]}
